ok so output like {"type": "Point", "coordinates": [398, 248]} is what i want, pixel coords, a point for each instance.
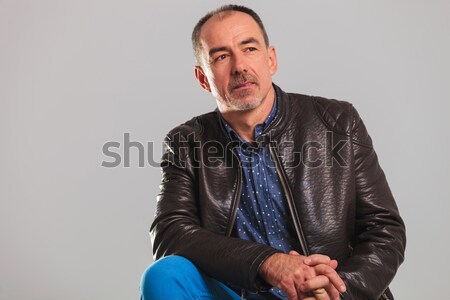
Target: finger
{"type": "Point", "coordinates": [316, 259]}
{"type": "Point", "coordinates": [334, 264]}
{"type": "Point", "coordinates": [332, 292]}
{"type": "Point", "coordinates": [321, 294]}
{"type": "Point", "coordinates": [301, 295]}
{"type": "Point", "coordinates": [294, 296]}
{"type": "Point", "coordinates": [318, 282]}
{"type": "Point", "coordinates": [291, 294]}
{"type": "Point", "coordinates": [334, 278]}
{"type": "Point", "coordinates": [293, 252]}
{"type": "Point", "coordinates": [290, 291]}
{"type": "Point", "coordinates": [305, 273]}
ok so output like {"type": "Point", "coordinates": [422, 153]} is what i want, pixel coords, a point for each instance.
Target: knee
{"type": "Point", "coordinates": [167, 267]}
{"type": "Point", "coordinates": [165, 274]}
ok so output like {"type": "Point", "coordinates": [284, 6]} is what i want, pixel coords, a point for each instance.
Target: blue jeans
{"type": "Point", "coordinates": [177, 278]}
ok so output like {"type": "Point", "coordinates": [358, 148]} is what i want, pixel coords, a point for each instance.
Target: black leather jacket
{"type": "Point", "coordinates": [338, 197]}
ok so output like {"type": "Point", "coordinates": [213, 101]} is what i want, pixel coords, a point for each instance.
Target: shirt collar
{"type": "Point", "coordinates": [259, 128]}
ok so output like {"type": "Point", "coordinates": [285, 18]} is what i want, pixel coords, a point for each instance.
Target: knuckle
{"type": "Point", "coordinates": [325, 279]}
{"type": "Point", "coordinates": [304, 287]}
{"type": "Point", "coordinates": [329, 270]}
{"type": "Point", "coordinates": [299, 274]}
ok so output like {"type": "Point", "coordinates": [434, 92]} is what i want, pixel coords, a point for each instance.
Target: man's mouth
{"type": "Point", "coordinates": [243, 85]}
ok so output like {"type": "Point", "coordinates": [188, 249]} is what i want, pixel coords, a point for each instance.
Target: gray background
{"type": "Point", "coordinates": [77, 74]}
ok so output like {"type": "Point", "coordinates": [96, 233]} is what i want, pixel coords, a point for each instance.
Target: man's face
{"type": "Point", "coordinates": [236, 66]}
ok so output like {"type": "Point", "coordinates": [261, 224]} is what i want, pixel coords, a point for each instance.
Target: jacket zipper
{"type": "Point", "coordinates": [234, 206]}
{"type": "Point", "coordinates": [236, 198]}
{"type": "Point", "coordinates": [289, 199]}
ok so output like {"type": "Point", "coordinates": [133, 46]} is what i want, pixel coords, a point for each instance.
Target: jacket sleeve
{"type": "Point", "coordinates": [379, 240]}
{"type": "Point", "coordinates": [177, 230]}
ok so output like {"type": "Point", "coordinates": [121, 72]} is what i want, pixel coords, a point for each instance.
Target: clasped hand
{"type": "Point", "coordinates": [311, 277]}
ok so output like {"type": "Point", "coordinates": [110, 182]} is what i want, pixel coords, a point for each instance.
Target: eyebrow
{"type": "Point", "coordinates": [250, 40]}
{"type": "Point", "coordinates": [212, 51]}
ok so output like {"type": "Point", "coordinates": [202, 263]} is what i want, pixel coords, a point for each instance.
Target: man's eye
{"type": "Point", "coordinates": [250, 49]}
{"type": "Point", "coordinates": [221, 57]}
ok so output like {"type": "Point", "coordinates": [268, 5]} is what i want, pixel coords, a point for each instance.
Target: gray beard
{"type": "Point", "coordinates": [236, 101]}
{"type": "Point", "coordinates": [237, 95]}
{"type": "Point", "coordinates": [245, 106]}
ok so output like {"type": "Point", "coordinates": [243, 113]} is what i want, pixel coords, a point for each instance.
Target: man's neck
{"type": "Point", "coordinates": [244, 122]}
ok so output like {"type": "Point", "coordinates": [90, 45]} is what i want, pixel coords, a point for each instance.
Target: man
{"type": "Point", "coordinates": [273, 195]}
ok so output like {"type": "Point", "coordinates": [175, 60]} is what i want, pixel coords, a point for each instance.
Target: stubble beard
{"type": "Point", "coordinates": [246, 99]}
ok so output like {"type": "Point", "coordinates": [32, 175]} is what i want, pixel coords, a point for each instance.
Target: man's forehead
{"type": "Point", "coordinates": [228, 24]}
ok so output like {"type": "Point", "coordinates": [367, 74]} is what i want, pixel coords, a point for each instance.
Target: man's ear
{"type": "Point", "coordinates": [273, 63]}
{"type": "Point", "coordinates": [201, 78]}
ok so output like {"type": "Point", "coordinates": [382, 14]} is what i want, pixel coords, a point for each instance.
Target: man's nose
{"type": "Point", "coordinates": [239, 63]}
